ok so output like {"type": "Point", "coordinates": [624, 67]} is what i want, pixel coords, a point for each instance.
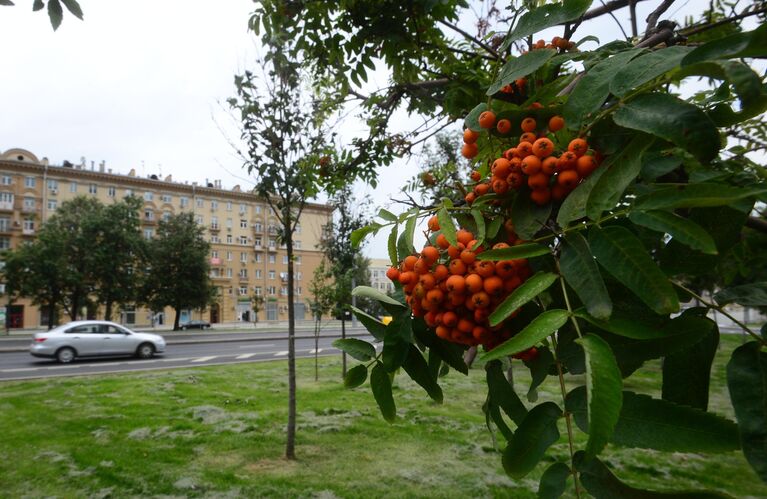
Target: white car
{"type": "Point", "coordinates": [94, 338]}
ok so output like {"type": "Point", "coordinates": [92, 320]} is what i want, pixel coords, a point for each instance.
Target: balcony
{"type": "Point", "coordinates": [243, 278]}
{"type": "Point", "coordinates": [28, 209]}
{"type": "Point", "coordinates": [28, 232]}
{"type": "Point", "coordinates": [214, 228]}
{"type": "Point", "coordinates": [258, 228]}
{"type": "Point", "coordinates": [215, 261]}
{"type": "Point", "coordinates": [6, 205]}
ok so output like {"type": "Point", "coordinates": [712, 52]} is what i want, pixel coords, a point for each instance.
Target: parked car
{"type": "Point", "coordinates": [195, 325]}
{"type": "Point", "coordinates": [94, 338]}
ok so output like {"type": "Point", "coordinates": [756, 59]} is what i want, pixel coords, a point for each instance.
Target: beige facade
{"type": "Point", "coordinates": [245, 256]}
{"type": "Point", "coordinates": [378, 279]}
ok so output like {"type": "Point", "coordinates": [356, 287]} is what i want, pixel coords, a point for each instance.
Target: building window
{"type": "Point", "coordinates": [29, 203]}
{"type": "Point", "coordinates": [6, 180]}
{"type": "Point", "coordinates": [5, 243]}
{"type": "Point", "coordinates": [184, 201]}
{"type": "Point", "coordinates": [258, 227]}
{"type": "Point", "coordinates": [258, 241]}
{"type": "Point", "coordinates": [284, 291]}
{"type": "Point", "coordinates": [111, 191]}
{"type": "Point", "coordinates": [297, 244]}
{"type": "Point", "coordinates": [243, 224]}
{"type": "Point", "coordinates": [258, 257]}
{"type": "Point", "coordinates": [166, 216]}
{"type": "Point", "coordinates": [298, 228]}
{"type": "Point", "coordinates": [243, 290]}
{"type": "Point", "coordinates": [298, 260]}
{"type": "Point", "coordinates": [5, 224]}
{"type": "Point", "coordinates": [30, 182]}
{"type": "Point", "coordinates": [214, 254]}
{"type": "Point", "coordinates": [148, 233]}
{"type": "Point", "coordinates": [257, 210]}
{"type": "Point", "coordinates": [53, 184]}
{"type": "Point", "coordinates": [52, 204]}
{"type": "Point", "coordinates": [214, 223]}
{"type": "Point", "coordinates": [229, 256]}
{"type": "Point", "coordinates": [229, 272]}
{"type": "Point", "coordinates": [148, 215]}
{"type": "Point", "coordinates": [298, 290]}
{"type": "Point", "coordinates": [215, 240]}
{"type": "Point", "coordinates": [128, 193]}
{"type": "Point", "coordinates": [243, 240]}
{"type": "Point", "coordinates": [92, 188]}
{"type": "Point", "coordinates": [257, 289]}
{"type": "Point", "coordinates": [243, 208]}
{"type": "Point", "coordinates": [272, 259]}
{"type": "Point", "coordinates": [298, 276]}
{"type": "Point", "coordinates": [228, 223]}
{"type": "Point", "coordinates": [6, 197]}
{"type": "Point", "coordinates": [244, 273]}
{"type": "Point", "coordinates": [284, 259]}
{"type": "Point", "coordinates": [228, 206]}
{"type": "Point", "coordinates": [148, 196]}
{"type": "Point", "coordinates": [198, 219]}
{"type": "Point", "coordinates": [243, 257]}
{"type": "Point", "coordinates": [259, 274]}
{"type": "Point", "coordinates": [73, 187]}
{"type": "Point", "coordinates": [228, 239]}
{"type": "Point", "coordinates": [214, 205]}
{"type": "Point", "coordinates": [271, 290]}
{"type": "Point", "coordinates": [200, 203]}
{"type": "Point", "coordinates": [272, 274]}
{"type": "Point", "coordinates": [29, 225]}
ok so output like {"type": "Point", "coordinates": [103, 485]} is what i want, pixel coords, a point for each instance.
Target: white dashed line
{"type": "Point", "coordinates": [315, 351]}
{"type": "Point", "coordinates": [281, 354]}
{"type": "Point", "coordinates": [204, 359]}
{"type": "Point", "coordinates": [244, 356]}
{"type": "Point", "coordinates": [19, 370]}
{"type": "Point", "coordinates": [258, 346]}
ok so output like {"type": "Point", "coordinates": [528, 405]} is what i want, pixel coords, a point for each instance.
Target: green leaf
{"type": "Point", "coordinates": [695, 195]}
{"type": "Point", "coordinates": [670, 118]}
{"type": "Point", "coordinates": [749, 295]}
{"type": "Point", "coordinates": [574, 205]}
{"type": "Point", "coordinates": [374, 294]}
{"type": "Point", "coordinates": [37, 5]}
{"type": "Point", "coordinates": [373, 325]}
{"type": "Point", "coordinates": [387, 215]}
{"type": "Point", "coordinates": [594, 87]}
{"type": "Point", "coordinates": [581, 272]}
{"type": "Point", "coordinates": [359, 234]}
{"type": "Point", "coordinates": [73, 7]}
{"type": "Point", "coordinates": [647, 67]}
{"type": "Point", "coordinates": [687, 372]}
{"type": "Point", "coordinates": [479, 220]}
{"type": "Point", "coordinates": [450, 353]}
{"type": "Point", "coordinates": [494, 227]}
{"type": "Point", "coordinates": [603, 390]}
{"type": "Point", "coordinates": [535, 434]}
{"type": "Point", "coordinates": [554, 481]}
{"type": "Point", "coordinates": [396, 343]}
{"type": "Point", "coordinates": [600, 482]}
{"type": "Point", "coordinates": [625, 323]}
{"type": "Point", "coordinates": [55, 13]}
{"type": "Point", "coordinates": [391, 245]}
{"type": "Point", "coordinates": [360, 350]}
{"type": "Point", "coordinates": [747, 382]}
{"type": "Point", "coordinates": [538, 329]}
{"type": "Point", "coordinates": [681, 229]}
{"type": "Point", "coordinates": [545, 16]}
{"type": "Point", "coordinates": [415, 366]}
{"type": "Point", "coordinates": [539, 371]}
{"type": "Point", "coordinates": [356, 376]}
{"type": "Point", "coordinates": [380, 384]}
{"type": "Point", "coordinates": [527, 250]}
{"type": "Point", "coordinates": [623, 169]}
{"type": "Point", "coordinates": [6, 3]}
{"type": "Point", "coordinates": [658, 163]}
{"type": "Point", "coordinates": [446, 226]}
{"type": "Point", "coordinates": [529, 218]}
{"type": "Point", "coordinates": [648, 423]}
{"type": "Point", "coordinates": [622, 255]}
{"type": "Point", "coordinates": [502, 393]}
{"type": "Point", "coordinates": [405, 241]}
{"type": "Point", "coordinates": [472, 119]}
{"type": "Point", "coordinates": [531, 288]}
{"type": "Point", "coordinates": [517, 67]}
{"type": "Point", "coordinates": [748, 44]}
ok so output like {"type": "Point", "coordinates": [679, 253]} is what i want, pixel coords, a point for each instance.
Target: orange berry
{"type": "Point", "coordinates": [427, 281]}
{"type": "Point", "coordinates": [531, 165]}
{"type": "Point", "coordinates": [430, 254]}
{"type": "Point", "coordinates": [515, 180]}
{"type": "Point", "coordinates": [540, 196]}
{"type": "Point", "coordinates": [473, 283]}
{"type": "Point", "coordinates": [409, 262]}
{"type": "Point", "coordinates": [538, 181]}
{"type": "Point", "coordinates": [556, 123]}
{"type": "Point", "coordinates": [441, 272]}
{"type": "Point", "coordinates": [469, 198]}
{"type": "Point", "coordinates": [470, 136]}
{"type": "Point", "coordinates": [487, 119]}
{"type": "Point", "coordinates": [559, 192]}
{"type": "Point", "coordinates": [435, 296]}
{"type": "Point", "coordinates": [393, 273]}
{"type": "Point", "coordinates": [481, 189]}
{"type": "Point", "coordinates": [464, 237]}
{"type": "Point", "coordinates": [456, 283]}
{"type": "Point", "coordinates": [543, 147]}
{"type": "Point", "coordinates": [449, 319]}
{"type": "Point", "coordinates": [567, 161]}
{"type": "Point", "coordinates": [469, 151]}
{"type": "Point", "coordinates": [578, 146]}
{"type": "Point", "coordinates": [528, 137]}
{"type": "Point", "coordinates": [485, 268]}
{"type": "Point", "coordinates": [454, 252]}
{"type": "Point", "coordinates": [568, 179]}
{"type": "Point", "coordinates": [407, 277]}
{"type": "Point", "coordinates": [549, 165]}
{"type": "Point", "coordinates": [500, 187]}
{"type": "Point", "coordinates": [528, 125]}
{"type": "Point", "coordinates": [433, 223]}
{"type": "Point", "coordinates": [481, 299]}
{"type": "Point", "coordinates": [520, 83]}
{"type": "Point", "coordinates": [457, 267]}
{"type": "Point", "coordinates": [501, 167]}
{"type": "Point", "coordinates": [468, 257]}
{"type": "Point", "coordinates": [421, 266]}
{"type": "Point", "coordinates": [442, 241]}
{"type": "Point", "coordinates": [443, 332]}
{"type": "Point", "coordinates": [493, 285]}
{"type": "Point", "coordinates": [524, 149]}
{"type": "Point", "coordinates": [503, 126]}
{"type": "Point", "coordinates": [475, 176]}
{"type": "Point", "coordinates": [505, 269]}
{"type": "Point", "coordinates": [586, 165]}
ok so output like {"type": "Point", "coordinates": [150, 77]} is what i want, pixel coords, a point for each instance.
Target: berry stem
{"type": "Point", "coordinates": [568, 421]}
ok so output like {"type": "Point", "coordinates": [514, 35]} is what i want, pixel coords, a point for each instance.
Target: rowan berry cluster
{"type": "Point", "coordinates": [455, 292]}
{"type": "Point", "coordinates": [534, 161]}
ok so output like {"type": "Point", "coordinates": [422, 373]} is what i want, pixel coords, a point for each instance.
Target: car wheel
{"type": "Point", "coordinates": [145, 351]}
{"type": "Point", "coordinates": [183, 328]}
{"type": "Point", "coordinates": [65, 355]}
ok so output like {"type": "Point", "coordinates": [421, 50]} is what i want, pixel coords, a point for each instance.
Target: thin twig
{"type": "Point", "coordinates": [652, 19]}
{"type": "Point", "coordinates": [620, 26]}
{"type": "Point", "coordinates": [694, 30]}
{"type": "Point", "coordinates": [633, 15]}
{"type": "Point", "coordinates": [568, 422]}
{"type": "Point", "coordinates": [477, 41]}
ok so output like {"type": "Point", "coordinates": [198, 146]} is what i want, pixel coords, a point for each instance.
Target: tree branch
{"type": "Point", "coordinates": [608, 7]}
{"type": "Point", "coordinates": [477, 41]}
{"type": "Point", "coordinates": [694, 30]}
{"type": "Point", "coordinates": [759, 224]}
{"type": "Point", "coordinates": [652, 19]}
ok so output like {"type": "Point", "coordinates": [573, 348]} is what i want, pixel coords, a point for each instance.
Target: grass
{"type": "Point", "coordinates": [219, 431]}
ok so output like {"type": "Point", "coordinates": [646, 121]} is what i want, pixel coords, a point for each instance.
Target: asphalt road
{"type": "Point", "coordinates": [21, 365]}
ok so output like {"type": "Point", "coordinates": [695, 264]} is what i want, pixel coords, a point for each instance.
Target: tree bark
{"type": "Point", "coordinates": [343, 337]}
{"type": "Point", "coordinates": [177, 318]}
{"type": "Point", "coordinates": [290, 447]}
{"type": "Point", "coordinates": [108, 310]}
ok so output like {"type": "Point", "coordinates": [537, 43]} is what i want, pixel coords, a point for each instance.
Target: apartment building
{"type": "Point", "coordinates": [378, 279]}
{"type": "Point", "coordinates": [245, 257]}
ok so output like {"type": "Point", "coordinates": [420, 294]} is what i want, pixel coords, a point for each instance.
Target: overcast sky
{"type": "Point", "coordinates": [140, 84]}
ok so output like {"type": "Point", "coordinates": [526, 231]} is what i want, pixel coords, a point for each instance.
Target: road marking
{"type": "Point", "coordinates": [176, 359]}
{"type": "Point", "coordinates": [244, 356]}
{"type": "Point", "coordinates": [318, 350]}
{"type": "Point", "coordinates": [71, 366]}
{"type": "Point", "coordinates": [281, 354]}
{"type": "Point", "coordinates": [256, 346]}
{"type": "Point", "coordinates": [205, 359]}
{"type": "Point", "coordinates": [19, 370]}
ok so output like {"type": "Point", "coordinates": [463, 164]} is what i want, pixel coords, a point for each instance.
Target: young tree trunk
{"type": "Point", "coordinates": [177, 318]}
{"type": "Point", "coordinates": [343, 336]}
{"type": "Point", "coordinates": [290, 447]}
{"type": "Point", "coordinates": [317, 320]}
{"type": "Point", "coordinates": [108, 310]}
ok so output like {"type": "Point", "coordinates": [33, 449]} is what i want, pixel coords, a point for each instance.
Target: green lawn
{"type": "Point", "coordinates": [219, 431]}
